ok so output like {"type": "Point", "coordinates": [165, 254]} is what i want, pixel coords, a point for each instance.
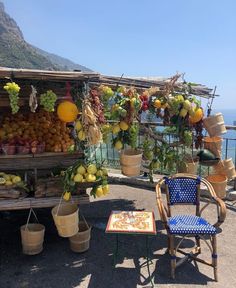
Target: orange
{"type": "Point", "coordinates": [67, 111]}
{"type": "Point", "coordinates": [197, 116]}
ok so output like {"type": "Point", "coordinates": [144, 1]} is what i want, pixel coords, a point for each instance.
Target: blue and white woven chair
{"type": "Point", "coordinates": [185, 189]}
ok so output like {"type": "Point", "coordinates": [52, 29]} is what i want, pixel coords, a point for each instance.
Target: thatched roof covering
{"type": "Point", "coordinates": [95, 78]}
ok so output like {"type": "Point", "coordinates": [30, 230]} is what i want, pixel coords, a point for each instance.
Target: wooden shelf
{"type": "Point", "coordinates": [46, 202]}
{"type": "Point", "coordinates": [38, 161]}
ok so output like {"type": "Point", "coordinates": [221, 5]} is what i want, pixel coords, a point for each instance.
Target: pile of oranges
{"type": "Point", "coordinates": [43, 127]}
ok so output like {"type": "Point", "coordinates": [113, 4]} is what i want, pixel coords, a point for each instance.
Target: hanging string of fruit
{"type": "Point", "coordinates": [48, 100]}
{"type": "Point", "coordinates": [92, 118]}
{"type": "Point", "coordinates": [13, 90]}
{"type": "Point", "coordinates": [125, 112]}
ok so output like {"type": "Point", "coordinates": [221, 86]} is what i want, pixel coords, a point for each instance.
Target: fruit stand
{"type": "Point", "coordinates": [50, 120]}
{"type": "Point", "coordinates": [34, 141]}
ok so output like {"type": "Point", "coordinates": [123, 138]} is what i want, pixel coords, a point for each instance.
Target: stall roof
{"type": "Point", "coordinates": [46, 75]}
{"type": "Point", "coordinates": [96, 78]}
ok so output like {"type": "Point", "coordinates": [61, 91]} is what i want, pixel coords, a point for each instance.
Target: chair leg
{"type": "Point", "coordinates": [198, 244]}
{"type": "Point", "coordinates": [214, 257]}
{"type": "Point", "coordinates": [172, 255]}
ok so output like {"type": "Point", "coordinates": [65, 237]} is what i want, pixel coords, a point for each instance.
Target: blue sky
{"type": "Point", "coordinates": [139, 38]}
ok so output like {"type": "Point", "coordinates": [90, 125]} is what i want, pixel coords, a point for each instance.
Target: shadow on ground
{"type": "Point", "coordinates": [57, 266]}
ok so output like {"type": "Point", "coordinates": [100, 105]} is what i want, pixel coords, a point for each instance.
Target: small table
{"type": "Point", "coordinates": [133, 223]}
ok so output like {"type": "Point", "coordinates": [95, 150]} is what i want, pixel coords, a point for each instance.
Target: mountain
{"type": "Point", "coordinates": [15, 52]}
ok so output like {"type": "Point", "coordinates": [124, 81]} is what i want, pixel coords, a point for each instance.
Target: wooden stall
{"type": "Point", "coordinates": [30, 164]}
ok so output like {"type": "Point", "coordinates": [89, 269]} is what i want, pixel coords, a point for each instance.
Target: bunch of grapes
{"type": "Point", "coordinates": [106, 130]}
{"type": "Point", "coordinates": [106, 92]}
{"type": "Point", "coordinates": [133, 135]}
{"type": "Point", "coordinates": [13, 90]}
{"type": "Point", "coordinates": [97, 105]}
{"type": "Point", "coordinates": [48, 100]}
{"type": "Point", "coordinates": [187, 138]}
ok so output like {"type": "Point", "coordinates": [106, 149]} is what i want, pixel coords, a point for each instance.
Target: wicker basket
{"type": "Point", "coordinates": [219, 183]}
{"type": "Point", "coordinates": [66, 219]}
{"type": "Point", "coordinates": [130, 161]}
{"type": "Point", "coordinates": [80, 242]}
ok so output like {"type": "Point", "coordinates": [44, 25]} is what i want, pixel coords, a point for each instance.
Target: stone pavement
{"type": "Point", "coordinates": [57, 266]}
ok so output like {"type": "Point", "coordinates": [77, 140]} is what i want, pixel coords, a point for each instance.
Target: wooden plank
{"type": "Point", "coordinates": [47, 202]}
{"type": "Point", "coordinates": [39, 161]}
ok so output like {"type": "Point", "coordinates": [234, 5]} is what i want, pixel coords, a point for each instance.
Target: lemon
{"type": "Point", "coordinates": [81, 170]}
{"type": "Point", "coordinates": [187, 105]}
{"type": "Point", "coordinates": [81, 135]}
{"type": "Point", "coordinates": [99, 191]}
{"type": "Point", "coordinates": [16, 179]}
{"type": "Point", "coordinates": [183, 112]}
{"type": "Point", "coordinates": [66, 196]}
{"type": "Point", "coordinates": [124, 126]}
{"type": "Point", "coordinates": [116, 129]}
{"type": "Point", "coordinates": [78, 125]}
{"type": "Point", "coordinates": [118, 145]}
{"type": "Point", "coordinates": [99, 173]}
{"type": "Point", "coordinates": [157, 103]}
{"type": "Point", "coordinates": [90, 178]}
{"type": "Point", "coordinates": [91, 169]}
{"type": "Point", "coordinates": [2, 181]}
{"type": "Point", "coordinates": [104, 171]}
{"type": "Point", "coordinates": [8, 183]}
{"type": "Point", "coordinates": [78, 178]}
{"type": "Point", "coordinates": [105, 189]}
{"type": "Point", "coordinates": [7, 177]}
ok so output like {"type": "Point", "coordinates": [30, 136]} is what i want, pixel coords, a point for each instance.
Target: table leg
{"type": "Point", "coordinates": [115, 253]}
{"type": "Point", "coordinates": [148, 259]}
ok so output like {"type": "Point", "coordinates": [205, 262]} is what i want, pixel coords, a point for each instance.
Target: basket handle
{"type": "Point", "coordinates": [71, 199]}
{"type": "Point", "coordinates": [31, 211]}
{"type": "Point", "coordinates": [86, 223]}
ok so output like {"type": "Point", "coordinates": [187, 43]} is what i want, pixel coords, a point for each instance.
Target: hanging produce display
{"type": "Point", "coordinates": [85, 175]}
{"type": "Point", "coordinates": [13, 90]}
{"type": "Point", "coordinates": [67, 111]}
{"type": "Point", "coordinates": [48, 100]}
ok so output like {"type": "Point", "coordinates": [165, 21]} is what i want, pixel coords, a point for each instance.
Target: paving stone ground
{"type": "Point", "coordinates": [57, 266]}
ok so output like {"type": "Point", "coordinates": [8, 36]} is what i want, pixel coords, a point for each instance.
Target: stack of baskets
{"type": "Point", "coordinates": [224, 170]}
{"type": "Point", "coordinates": [66, 219]}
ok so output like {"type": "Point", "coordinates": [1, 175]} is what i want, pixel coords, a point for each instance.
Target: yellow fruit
{"type": "Point", "coordinates": [7, 177]}
{"type": "Point", "coordinates": [67, 111]}
{"type": "Point", "coordinates": [164, 105]}
{"type": "Point", "coordinates": [81, 135]}
{"type": "Point", "coordinates": [78, 178]}
{"type": "Point", "coordinates": [16, 179]}
{"type": "Point", "coordinates": [66, 196]}
{"type": "Point", "coordinates": [157, 104]}
{"type": "Point", "coordinates": [187, 105]}
{"type": "Point", "coordinates": [124, 126]}
{"type": "Point", "coordinates": [90, 178]}
{"type": "Point", "coordinates": [116, 129]}
{"type": "Point", "coordinates": [105, 189]}
{"type": "Point", "coordinates": [99, 191]}
{"type": "Point", "coordinates": [91, 169]}
{"type": "Point", "coordinates": [183, 112]}
{"type": "Point", "coordinates": [99, 173]}
{"type": "Point", "coordinates": [104, 171]}
{"type": "Point", "coordinates": [118, 145]}
{"type": "Point", "coordinates": [2, 181]}
{"type": "Point", "coordinates": [197, 116]}
{"type": "Point", "coordinates": [8, 183]}
{"type": "Point", "coordinates": [81, 170]}
{"type": "Point", "coordinates": [78, 125]}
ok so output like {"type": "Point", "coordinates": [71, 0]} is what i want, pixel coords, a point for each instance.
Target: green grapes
{"type": "Point", "coordinates": [48, 100]}
{"type": "Point", "coordinates": [13, 90]}
{"type": "Point", "coordinates": [133, 135]}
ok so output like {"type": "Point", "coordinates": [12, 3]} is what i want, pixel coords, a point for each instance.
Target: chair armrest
{"type": "Point", "coordinates": [161, 208]}
{"type": "Point", "coordinates": [221, 207]}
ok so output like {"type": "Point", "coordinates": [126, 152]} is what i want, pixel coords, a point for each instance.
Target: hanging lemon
{"type": "Point", "coordinates": [196, 116]}
{"type": "Point", "coordinates": [67, 111]}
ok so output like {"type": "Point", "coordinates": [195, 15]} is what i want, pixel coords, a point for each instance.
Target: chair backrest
{"type": "Point", "coordinates": [182, 190]}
